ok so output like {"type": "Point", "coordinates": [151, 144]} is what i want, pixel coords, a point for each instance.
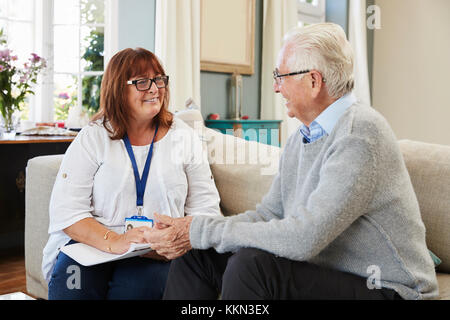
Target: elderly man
{"type": "Point", "coordinates": [340, 221]}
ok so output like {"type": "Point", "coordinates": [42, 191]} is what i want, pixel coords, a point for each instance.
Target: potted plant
{"type": "Point", "coordinates": [15, 84]}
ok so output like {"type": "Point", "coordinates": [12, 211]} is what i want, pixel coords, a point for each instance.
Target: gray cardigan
{"type": "Point", "coordinates": [345, 202]}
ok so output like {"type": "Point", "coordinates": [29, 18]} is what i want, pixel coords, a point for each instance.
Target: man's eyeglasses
{"type": "Point", "coordinates": [277, 76]}
{"type": "Point", "coordinates": [145, 84]}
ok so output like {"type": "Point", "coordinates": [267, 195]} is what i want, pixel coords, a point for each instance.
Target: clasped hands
{"type": "Point", "coordinates": [169, 237]}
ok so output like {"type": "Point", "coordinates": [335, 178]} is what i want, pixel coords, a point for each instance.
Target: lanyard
{"type": "Point", "coordinates": [140, 183]}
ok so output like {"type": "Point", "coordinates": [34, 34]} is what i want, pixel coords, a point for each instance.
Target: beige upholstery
{"type": "Point", "coordinates": [429, 169]}
{"type": "Point", "coordinates": [444, 286]}
{"type": "Point", "coordinates": [243, 170]}
{"type": "Point", "coordinates": [41, 175]}
{"type": "Point", "coordinates": [242, 181]}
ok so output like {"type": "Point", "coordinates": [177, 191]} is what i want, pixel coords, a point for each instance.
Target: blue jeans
{"type": "Point", "coordinates": [133, 278]}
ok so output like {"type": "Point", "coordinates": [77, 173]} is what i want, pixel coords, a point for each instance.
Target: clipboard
{"type": "Point", "coordinates": [90, 256]}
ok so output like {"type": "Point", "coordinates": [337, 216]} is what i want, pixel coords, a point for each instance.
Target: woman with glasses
{"type": "Point", "coordinates": [134, 159]}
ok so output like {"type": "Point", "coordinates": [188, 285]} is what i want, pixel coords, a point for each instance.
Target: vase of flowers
{"type": "Point", "coordinates": [15, 85]}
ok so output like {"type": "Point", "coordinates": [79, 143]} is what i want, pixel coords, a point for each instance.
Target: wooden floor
{"type": "Point", "coordinates": [12, 273]}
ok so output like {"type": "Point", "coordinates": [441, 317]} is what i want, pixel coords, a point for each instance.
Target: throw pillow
{"type": "Point", "coordinates": [435, 258]}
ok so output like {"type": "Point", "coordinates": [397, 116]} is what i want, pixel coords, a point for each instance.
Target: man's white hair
{"type": "Point", "coordinates": [322, 47]}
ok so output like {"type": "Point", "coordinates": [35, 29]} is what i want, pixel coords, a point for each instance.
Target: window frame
{"type": "Point", "coordinates": [32, 22]}
{"type": "Point", "coordinates": [307, 13]}
{"type": "Point", "coordinates": [43, 108]}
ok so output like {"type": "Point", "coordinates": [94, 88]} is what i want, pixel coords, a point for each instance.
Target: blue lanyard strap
{"type": "Point", "coordinates": [140, 183]}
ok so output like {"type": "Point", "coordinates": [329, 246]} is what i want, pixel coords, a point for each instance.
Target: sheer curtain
{"type": "Point", "coordinates": [357, 37]}
{"type": "Point", "coordinates": [279, 18]}
{"type": "Point", "coordinates": [177, 44]}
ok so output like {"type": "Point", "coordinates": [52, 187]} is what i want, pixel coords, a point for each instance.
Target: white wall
{"type": "Point", "coordinates": [411, 70]}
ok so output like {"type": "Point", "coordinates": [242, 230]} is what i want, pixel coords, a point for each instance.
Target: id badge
{"type": "Point", "coordinates": [137, 221]}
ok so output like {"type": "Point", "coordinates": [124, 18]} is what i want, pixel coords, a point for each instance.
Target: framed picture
{"type": "Point", "coordinates": [227, 36]}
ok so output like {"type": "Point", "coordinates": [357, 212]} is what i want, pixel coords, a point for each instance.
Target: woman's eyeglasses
{"type": "Point", "coordinates": [145, 84]}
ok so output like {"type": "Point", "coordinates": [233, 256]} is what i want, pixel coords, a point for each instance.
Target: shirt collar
{"type": "Point", "coordinates": [330, 116]}
{"type": "Point", "coordinates": [312, 133]}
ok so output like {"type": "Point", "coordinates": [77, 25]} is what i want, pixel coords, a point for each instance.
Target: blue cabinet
{"type": "Point", "coordinates": [264, 131]}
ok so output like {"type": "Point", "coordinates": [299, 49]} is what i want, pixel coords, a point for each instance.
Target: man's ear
{"type": "Point", "coordinates": [316, 82]}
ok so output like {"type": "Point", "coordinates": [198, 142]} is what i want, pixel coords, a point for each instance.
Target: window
{"type": "Point", "coordinates": [310, 11]}
{"type": "Point", "coordinates": [78, 47]}
{"type": "Point", "coordinates": [17, 21]}
{"type": "Point", "coordinates": [70, 34]}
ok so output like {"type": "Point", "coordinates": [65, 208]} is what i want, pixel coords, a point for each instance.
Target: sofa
{"type": "Point", "coordinates": [243, 171]}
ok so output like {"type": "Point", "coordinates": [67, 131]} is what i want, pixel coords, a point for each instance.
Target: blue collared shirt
{"type": "Point", "coordinates": [326, 121]}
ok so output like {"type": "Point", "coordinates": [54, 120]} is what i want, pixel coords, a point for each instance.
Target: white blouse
{"type": "Point", "coordinates": [96, 179]}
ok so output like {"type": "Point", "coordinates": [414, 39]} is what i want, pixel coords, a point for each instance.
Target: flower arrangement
{"type": "Point", "coordinates": [64, 101]}
{"type": "Point", "coordinates": [15, 81]}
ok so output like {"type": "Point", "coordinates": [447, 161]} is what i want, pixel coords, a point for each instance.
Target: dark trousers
{"type": "Point", "coordinates": [255, 274]}
{"type": "Point", "coordinates": [133, 278]}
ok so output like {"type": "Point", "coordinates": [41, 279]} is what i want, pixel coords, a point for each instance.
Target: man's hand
{"type": "Point", "coordinates": [170, 236]}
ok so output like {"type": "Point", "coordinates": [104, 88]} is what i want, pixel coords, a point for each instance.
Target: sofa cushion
{"type": "Point", "coordinates": [429, 168]}
{"type": "Point", "coordinates": [243, 170]}
{"type": "Point", "coordinates": [192, 117]}
{"type": "Point", "coordinates": [444, 286]}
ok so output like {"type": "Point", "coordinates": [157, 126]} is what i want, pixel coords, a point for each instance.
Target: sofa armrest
{"type": "Point", "coordinates": [41, 174]}
{"type": "Point", "coordinates": [429, 168]}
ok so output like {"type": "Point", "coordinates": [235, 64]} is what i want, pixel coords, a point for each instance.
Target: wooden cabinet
{"type": "Point", "coordinates": [14, 155]}
{"type": "Point", "coordinates": [264, 131]}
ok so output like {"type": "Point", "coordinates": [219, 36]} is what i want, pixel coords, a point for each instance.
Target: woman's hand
{"type": "Point", "coordinates": [120, 243]}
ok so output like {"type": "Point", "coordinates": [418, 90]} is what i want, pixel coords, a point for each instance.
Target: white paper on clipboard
{"type": "Point", "coordinates": [89, 256]}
